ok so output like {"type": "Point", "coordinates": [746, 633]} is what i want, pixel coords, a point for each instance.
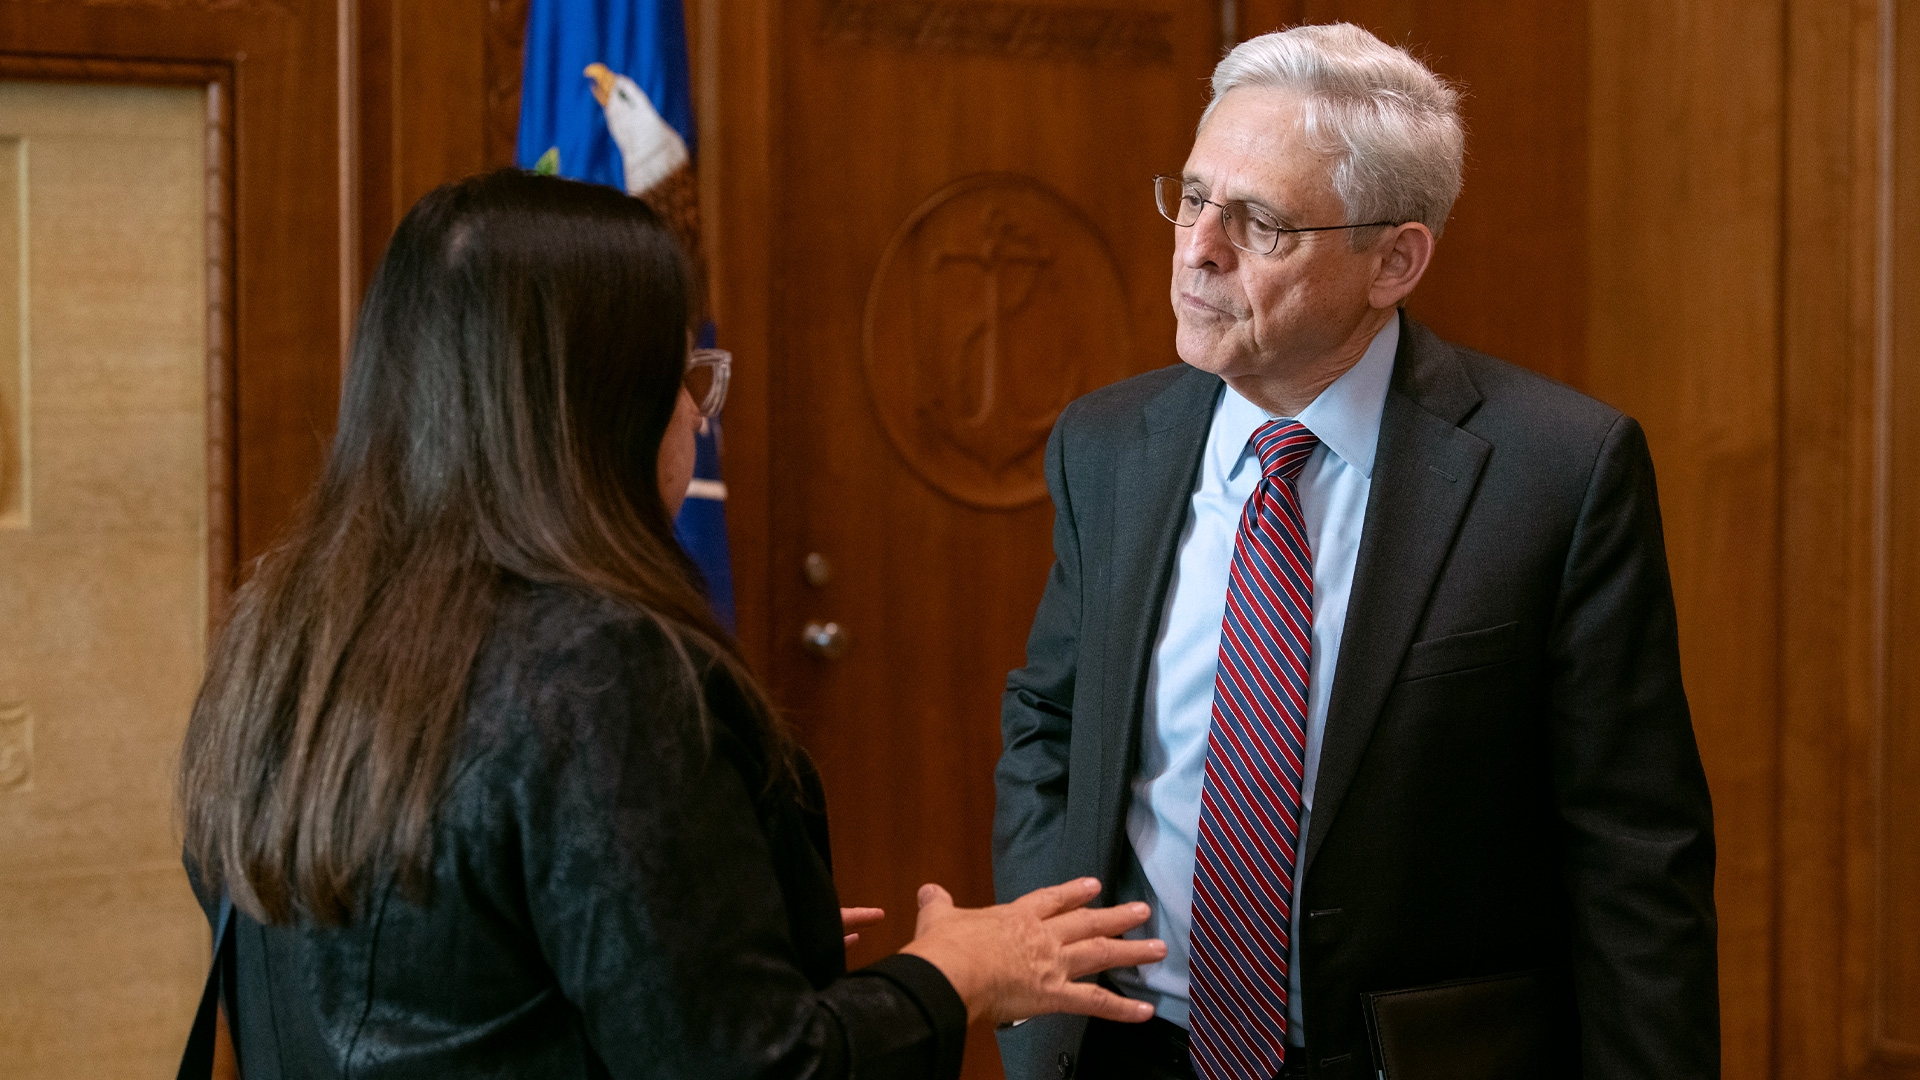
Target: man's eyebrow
{"type": "Point", "coordinates": [1281, 217]}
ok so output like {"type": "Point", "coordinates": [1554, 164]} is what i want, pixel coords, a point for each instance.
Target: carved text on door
{"type": "Point", "coordinates": [995, 304]}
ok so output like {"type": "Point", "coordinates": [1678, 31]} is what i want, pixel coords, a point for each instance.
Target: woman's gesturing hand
{"type": "Point", "coordinates": [855, 919]}
{"type": "Point", "coordinates": [1016, 960]}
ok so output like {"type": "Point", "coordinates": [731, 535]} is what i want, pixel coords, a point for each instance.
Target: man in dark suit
{"type": "Point", "coordinates": [1358, 656]}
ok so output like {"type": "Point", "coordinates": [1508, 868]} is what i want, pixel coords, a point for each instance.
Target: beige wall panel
{"type": "Point", "coordinates": [114, 948]}
{"type": "Point", "coordinates": [103, 583]}
{"type": "Point", "coordinates": [1684, 248]}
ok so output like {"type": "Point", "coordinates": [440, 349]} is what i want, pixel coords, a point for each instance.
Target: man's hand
{"type": "Point", "coordinates": [1016, 960]}
{"type": "Point", "coordinates": [854, 919]}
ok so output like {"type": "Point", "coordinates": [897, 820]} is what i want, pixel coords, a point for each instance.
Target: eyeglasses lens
{"type": "Point", "coordinates": [1170, 195]}
{"type": "Point", "coordinates": [699, 383]}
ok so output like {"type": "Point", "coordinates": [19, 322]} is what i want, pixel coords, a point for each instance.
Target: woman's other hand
{"type": "Point", "coordinates": [1016, 960]}
{"type": "Point", "coordinates": [855, 919]}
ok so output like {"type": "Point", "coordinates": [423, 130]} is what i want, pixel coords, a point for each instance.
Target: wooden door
{"type": "Point", "coordinates": [966, 241]}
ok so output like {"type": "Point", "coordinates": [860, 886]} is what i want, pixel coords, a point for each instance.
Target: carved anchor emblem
{"type": "Point", "coordinates": [978, 409]}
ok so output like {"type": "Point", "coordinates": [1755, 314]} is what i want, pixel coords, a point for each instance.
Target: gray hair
{"type": "Point", "coordinates": [1391, 125]}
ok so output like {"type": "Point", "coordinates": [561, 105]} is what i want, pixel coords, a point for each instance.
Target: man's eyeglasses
{"type": "Point", "coordinates": [706, 379]}
{"type": "Point", "coordinates": [1247, 227]}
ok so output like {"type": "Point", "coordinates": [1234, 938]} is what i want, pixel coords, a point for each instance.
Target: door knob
{"type": "Point", "coordinates": [828, 641]}
{"type": "Point", "coordinates": [818, 570]}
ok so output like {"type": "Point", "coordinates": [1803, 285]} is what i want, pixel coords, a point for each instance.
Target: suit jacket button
{"type": "Point", "coordinates": [1066, 1065]}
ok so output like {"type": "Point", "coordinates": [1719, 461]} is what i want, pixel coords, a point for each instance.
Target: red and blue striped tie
{"type": "Point", "coordinates": [1250, 802]}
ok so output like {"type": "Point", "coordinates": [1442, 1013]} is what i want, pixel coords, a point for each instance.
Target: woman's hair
{"type": "Point", "coordinates": [1390, 124]}
{"type": "Point", "coordinates": [517, 361]}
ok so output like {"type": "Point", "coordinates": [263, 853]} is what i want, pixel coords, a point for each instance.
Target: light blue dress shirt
{"type": "Point", "coordinates": [1164, 818]}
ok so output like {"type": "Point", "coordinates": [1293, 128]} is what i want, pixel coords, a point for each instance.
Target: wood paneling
{"type": "Point", "coordinates": [1850, 763]}
{"type": "Point", "coordinates": [1828, 521]}
{"type": "Point", "coordinates": [1256, 17]}
{"type": "Point", "coordinates": [737, 63]}
{"type": "Point", "coordinates": [1684, 258]}
{"type": "Point", "coordinates": [1894, 981]}
{"type": "Point", "coordinates": [506, 34]}
{"type": "Point", "coordinates": [1894, 1004]}
{"type": "Point", "coordinates": [1509, 275]}
{"type": "Point", "coordinates": [430, 106]}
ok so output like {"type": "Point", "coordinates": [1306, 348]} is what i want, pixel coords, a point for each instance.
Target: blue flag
{"type": "Point", "coordinates": [606, 98]}
{"type": "Point", "coordinates": [641, 40]}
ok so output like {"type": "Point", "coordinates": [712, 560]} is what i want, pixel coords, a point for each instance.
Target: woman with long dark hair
{"type": "Point", "coordinates": [490, 790]}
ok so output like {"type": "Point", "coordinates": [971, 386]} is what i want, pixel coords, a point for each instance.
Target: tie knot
{"type": "Point", "coordinates": [1283, 446]}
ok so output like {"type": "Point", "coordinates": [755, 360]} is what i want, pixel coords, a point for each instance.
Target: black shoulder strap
{"type": "Point", "coordinates": [197, 1062]}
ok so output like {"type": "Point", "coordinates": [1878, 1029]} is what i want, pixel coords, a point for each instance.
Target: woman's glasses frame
{"type": "Point", "coordinates": [708, 372]}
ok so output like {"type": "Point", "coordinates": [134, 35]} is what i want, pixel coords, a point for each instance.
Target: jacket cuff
{"type": "Point", "coordinates": [946, 1013]}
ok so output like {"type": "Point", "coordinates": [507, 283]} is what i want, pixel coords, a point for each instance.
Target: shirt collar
{"type": "Point", "coordinates": [1346, 415]}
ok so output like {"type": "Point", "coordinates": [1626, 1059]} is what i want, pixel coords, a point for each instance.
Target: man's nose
{"type": "Point", "coordinates": [1205, 243]}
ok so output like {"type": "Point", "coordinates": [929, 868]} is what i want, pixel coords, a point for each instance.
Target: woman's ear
{"type": "Point", "coordinates": [677, 450]}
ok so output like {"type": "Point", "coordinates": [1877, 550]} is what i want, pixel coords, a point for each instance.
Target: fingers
{"type": "Point", "coordinates": [1090, 1000]}
{"type": "Point", "coordinates": [859, 918]}
{"type": "Point", "coordinates": [935, 905]}
{"type": "Point", "coordinates": [1097, 922]}
{"type": "Point", "coordinates": [1054, 899]}
{"type": "Point", "coordinates": [850, 939]}
{"type": "Point", "coordinates": [1089, 957]}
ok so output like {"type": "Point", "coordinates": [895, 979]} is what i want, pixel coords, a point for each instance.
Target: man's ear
{"type": "Point", "coordinates": [1405, 252]}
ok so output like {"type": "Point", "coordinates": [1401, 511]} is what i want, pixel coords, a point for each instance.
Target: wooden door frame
{"type": "Point", "coordinates": [740, 119]}
{"type": "Point", "coordinates": [1837, 369]}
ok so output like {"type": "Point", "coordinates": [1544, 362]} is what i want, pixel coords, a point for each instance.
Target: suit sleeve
{"type": "Point", "coordinates": [652, 892]}
{"type": "Point", "coordinates": [1633, 798]}
{"type": "Point", "coordinates": [1036, 712]}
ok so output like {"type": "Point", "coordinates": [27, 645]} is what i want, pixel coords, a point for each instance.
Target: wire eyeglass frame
{"type": "Point", "coordinates": [703, 365]}
{"type": "Point", "coordinates": [1233, 224]}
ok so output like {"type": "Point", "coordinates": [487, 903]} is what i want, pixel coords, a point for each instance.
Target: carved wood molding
{"type": "Point", "coordinates": [279, 7]}
{"type": "Point", "coordinates": [54, 67]}
{"type": "Point", "coordinates": [1894, 758]}
{"type": "Point", "coordinates": [1032, 31]}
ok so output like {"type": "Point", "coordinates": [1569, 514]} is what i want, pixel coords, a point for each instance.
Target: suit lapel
{"type": "Point", "coordinates": [1153, 480]}
{"type": "Point", "coordinates": [1425, 471]}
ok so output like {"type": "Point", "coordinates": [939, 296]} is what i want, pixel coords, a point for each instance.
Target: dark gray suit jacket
{"type": "Point", "coordinates": [1509, 778]}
